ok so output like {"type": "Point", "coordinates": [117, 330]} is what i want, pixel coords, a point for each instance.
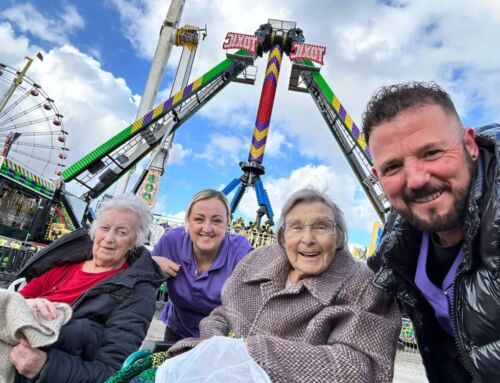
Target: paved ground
{"type": "Point", "coordinates": [408, 368]}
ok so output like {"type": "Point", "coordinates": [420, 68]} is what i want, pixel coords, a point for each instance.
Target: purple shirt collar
{"type": "Point", "coordinates": [220, 259]}
{"type": "Point", "coordinates": [439, 298]}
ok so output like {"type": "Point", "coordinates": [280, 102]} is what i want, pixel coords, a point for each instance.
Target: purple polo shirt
{"type": "Point", "coordinates": [192, 297]}
{"type": "Point", "coordinates": [439, 298]}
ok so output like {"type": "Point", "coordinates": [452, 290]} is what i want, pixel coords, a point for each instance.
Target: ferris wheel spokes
{"type": "Point", "coordinates": [31, 128]}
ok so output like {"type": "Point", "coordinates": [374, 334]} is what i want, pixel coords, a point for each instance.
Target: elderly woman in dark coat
{"type": "Point", "coordinates": [306, 309]}
{"type": "Point", "coordinates": [109, 280]}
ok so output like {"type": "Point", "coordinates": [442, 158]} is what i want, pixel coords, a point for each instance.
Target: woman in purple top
{"type": "Point", "coordinates": [198, 258]}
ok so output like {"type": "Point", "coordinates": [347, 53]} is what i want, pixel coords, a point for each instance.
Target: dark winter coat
{"type": "Point", "coordinates": [109, 321]}
{"type": "Point", "coordinates": [475, 311]}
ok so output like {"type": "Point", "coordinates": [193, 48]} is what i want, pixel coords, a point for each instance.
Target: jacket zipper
{"type": "Point", "coordinates": [470, 231]}
{"type": "Point", "coordinates": [457, 336]}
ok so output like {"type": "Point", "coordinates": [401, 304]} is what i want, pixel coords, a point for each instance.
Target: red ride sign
{"type": "Point", "coordinates": [301, 51]}
{"type": "Point", "coordinates": [240, 41]}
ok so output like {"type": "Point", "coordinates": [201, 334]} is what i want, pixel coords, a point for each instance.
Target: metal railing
{"type": "Point", "coordinates": [407, 341]}
{"type": "Point", "coordinates": [13, 256]}
{"type": "Point", "coordinates": [255, 237]}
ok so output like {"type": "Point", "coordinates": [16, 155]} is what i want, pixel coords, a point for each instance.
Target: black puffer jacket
{"type": "Point", "coordinates": [476, 306]}
{"type": "Point", "coordinates": [109, 321]}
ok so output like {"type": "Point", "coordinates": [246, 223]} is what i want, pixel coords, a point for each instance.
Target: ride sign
{"type": "Point", "coordinates": [301, 51]}
{"type": "Point", "coordinates": [240, 41]}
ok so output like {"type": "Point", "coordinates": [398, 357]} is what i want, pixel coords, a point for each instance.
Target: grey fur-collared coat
{"type": "Point", "coordinates": [334, 327]}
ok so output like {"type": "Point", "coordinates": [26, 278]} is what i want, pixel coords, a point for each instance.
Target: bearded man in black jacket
{"type": "Point", "coordinates": [440, 249]}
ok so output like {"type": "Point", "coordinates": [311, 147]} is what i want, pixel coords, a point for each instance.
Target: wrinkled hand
{"type": "Point", "coordinates": [167, 266]}
{"type": "Point", "coordinates": [42, 309]}
{"type": "Point", "coordinates": [27, 361]}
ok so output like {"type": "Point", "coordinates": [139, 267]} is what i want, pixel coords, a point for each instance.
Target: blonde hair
{"type": "Point", "coordinates": [209, 194]}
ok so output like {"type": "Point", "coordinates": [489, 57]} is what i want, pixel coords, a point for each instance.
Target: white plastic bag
{"type": "Point", "coordinates": [219, 359]}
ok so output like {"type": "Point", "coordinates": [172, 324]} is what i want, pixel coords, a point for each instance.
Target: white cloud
{"type": "Point", "coordinates": [275, 141]}
{"type": "Point", "coordinates": [97, 54]}
{"type": "Point", "coordinates": [160, 207]}
{"type": "Point", "coordinates": [72, 19]}
{"type": "Point", "coordinates": [177, 154]}
{"type": "Point", "coordinates": [53, 28]}
{"type": "Point", "coordinates": [141, 22]}
{"type": "Point", "coordinates": [13, 47]}
{"type": "Point", "coordinates": [222, 149]}
{"type": "Point", "coordinates": [178, 216]}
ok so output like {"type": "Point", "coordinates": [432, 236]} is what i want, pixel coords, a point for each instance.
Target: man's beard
{"type": "Point", "coordinates": [442, 222]}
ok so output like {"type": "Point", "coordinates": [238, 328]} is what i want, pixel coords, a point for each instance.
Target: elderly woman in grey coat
{"type": "Point", "coordinates": [306, 309]}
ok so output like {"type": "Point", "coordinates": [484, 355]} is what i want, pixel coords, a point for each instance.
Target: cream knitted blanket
{"type": "Point", "coordinates": [16, 322]}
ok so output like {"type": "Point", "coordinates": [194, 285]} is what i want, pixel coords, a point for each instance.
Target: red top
{"type": "Point", "coordinates": [65, 283]}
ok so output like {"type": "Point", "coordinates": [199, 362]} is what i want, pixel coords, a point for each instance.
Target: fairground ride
{"type": "Point", "coordinates": [32, 132]}
{"type": "Point", "coordinates": [147, 186]}
{"type": "Point", "coordinates": [33, 153]}
{"type": "Point", "coordinates": [99, 169]}
{"type": "Point", "coordinates": [34, 208]}
{"type": "Point", "coordinates": [103, 166]}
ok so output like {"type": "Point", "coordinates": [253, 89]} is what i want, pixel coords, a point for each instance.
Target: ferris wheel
{"type": "Point", "coordinates": [31, 128]}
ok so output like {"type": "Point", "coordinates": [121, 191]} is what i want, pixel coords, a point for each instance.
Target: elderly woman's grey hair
{"type": "Point", "coordinates": [311, 194]}
{"type": "Point", "coordinates": [209, 194]}
{"type": "Point", "coordinates": [133, 204]}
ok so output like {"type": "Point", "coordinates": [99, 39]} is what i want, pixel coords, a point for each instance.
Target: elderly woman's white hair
{"type": "Point", "coordinates": [133, 204]}
{"type": "Point", "coordinates": [311, 194]}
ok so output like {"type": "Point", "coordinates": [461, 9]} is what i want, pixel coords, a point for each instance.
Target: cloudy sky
{"type": "Point", "coordinates": [97, 56]}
